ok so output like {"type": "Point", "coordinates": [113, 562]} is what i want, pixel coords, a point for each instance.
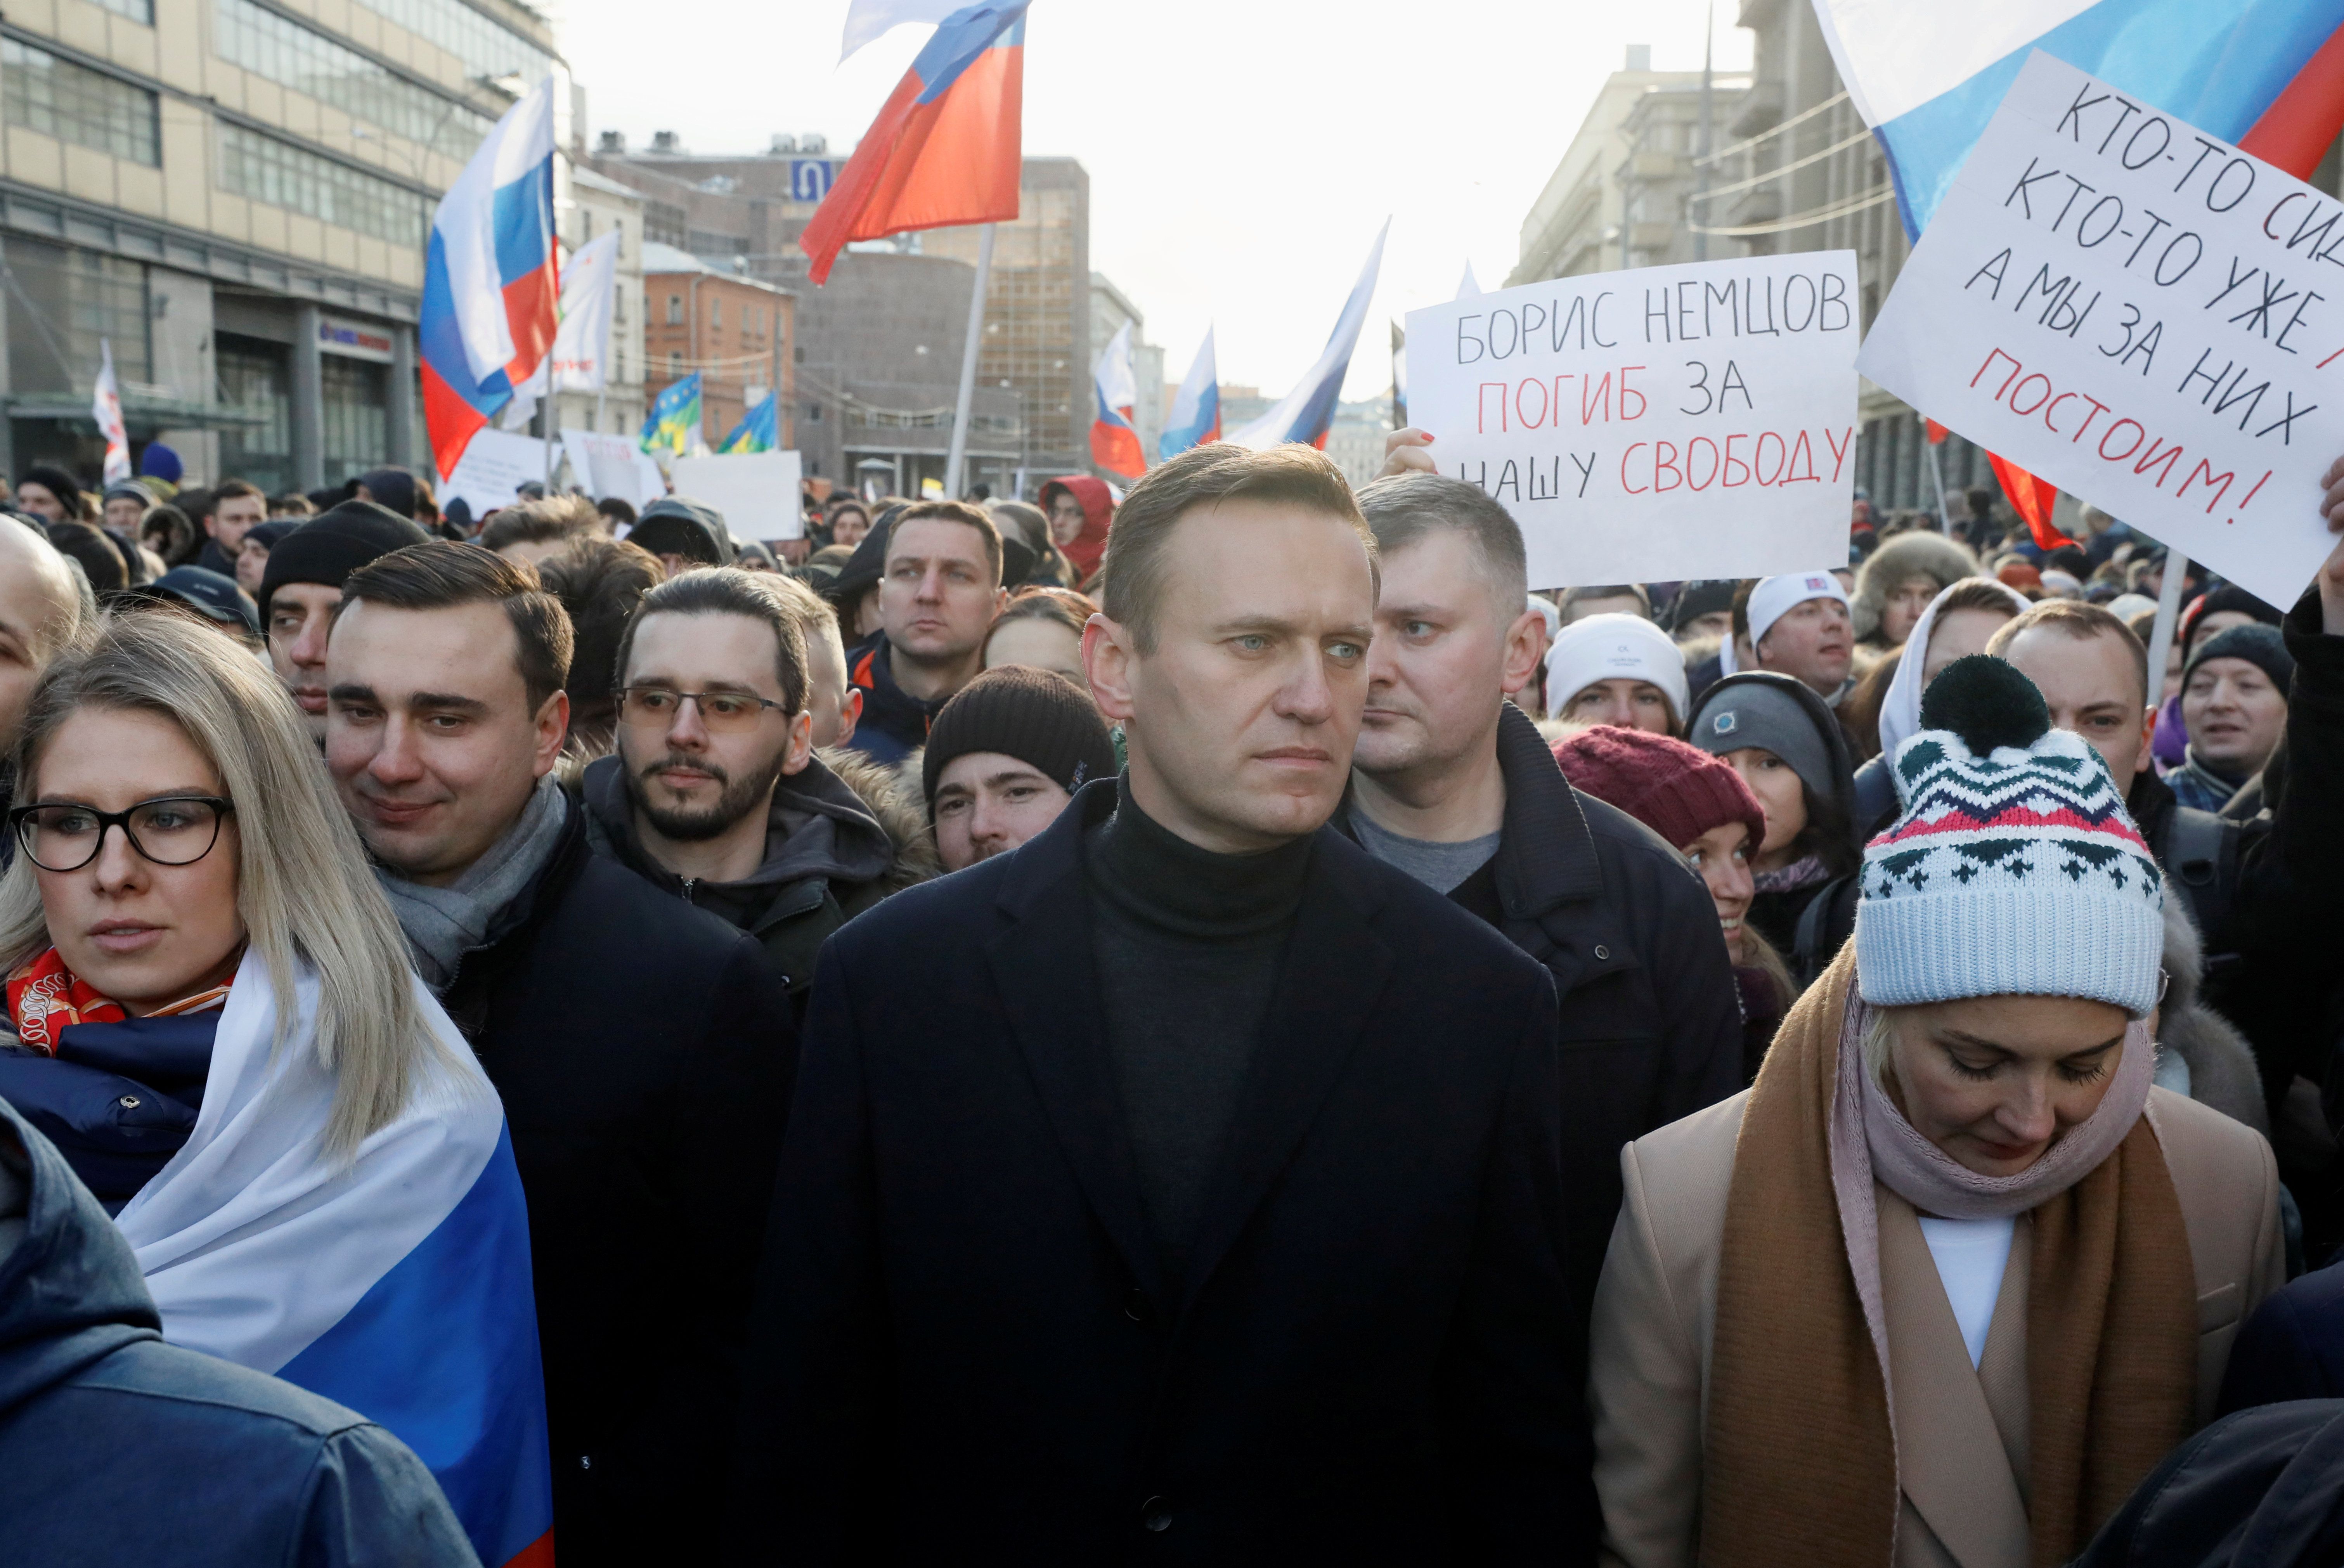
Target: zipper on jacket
{"type": "Point", "coordinates": [689, 884]}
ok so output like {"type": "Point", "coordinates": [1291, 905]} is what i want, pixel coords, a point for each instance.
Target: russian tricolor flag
{"type": "Point", "coordinates": [2266, 75]}
{"type": "Point", "coordinates": [1114, 442]}
{"type": "Point", "coordinates": [946, 147]}
{"type": "Point", "coordinates": [1195, 416]}
{"type": "Point", "coordinates": [1304, 413]}
{"type": "Point", "coordinates": [396, 1282]}
{"type": "Point", "coordinates": [491, 278]}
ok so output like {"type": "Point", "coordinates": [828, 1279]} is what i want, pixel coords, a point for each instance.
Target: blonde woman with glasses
{"type": "Point", "coordinates": [214, 1021]}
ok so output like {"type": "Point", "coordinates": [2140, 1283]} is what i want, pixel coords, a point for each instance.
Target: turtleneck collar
{"type": "Point", "coordinates": [1155, 877]}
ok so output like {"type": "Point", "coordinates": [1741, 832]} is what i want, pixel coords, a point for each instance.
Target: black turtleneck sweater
{"type": "Point", "coordinates": [1189, 946]}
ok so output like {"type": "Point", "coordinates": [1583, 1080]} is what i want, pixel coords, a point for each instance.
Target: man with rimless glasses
{"type": "Point", "coordinates": [715, 794]}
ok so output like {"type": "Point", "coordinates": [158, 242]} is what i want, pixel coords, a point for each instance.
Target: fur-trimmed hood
{"type": "Point", "coordinates": [2222, 1072]}
{"type": "Point", "coordinates": [1905, 556]}
{"type": "Point", "coordinates": [898, 806]}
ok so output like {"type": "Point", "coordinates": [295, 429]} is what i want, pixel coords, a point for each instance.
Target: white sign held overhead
{"type": "Point", "coordinates": [2133, 309]}
{"type": "Point", "coordinates": [756, 491]}
{"type": "Point", "coordinates": [494, 467]}
{"type": "Point", "coordinates": [1660, 423]}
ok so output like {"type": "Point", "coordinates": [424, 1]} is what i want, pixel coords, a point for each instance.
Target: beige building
{"type": "Point", "coordinates": [234, 196]}
{"type": "Point", "coordinates": [597, 206]}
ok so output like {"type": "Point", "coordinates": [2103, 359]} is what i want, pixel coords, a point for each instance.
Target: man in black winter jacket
{"type": "Point", "coordinates": [1452, 784]}
{"type": "Point", "coordinates": [1183, 1184]}
{"type": "Point", "coordinates": [937, 596]}
{"type": "Point", "coordinates": [642, 1049]}
{"type": "Point", "coordinates": [119, 1448]}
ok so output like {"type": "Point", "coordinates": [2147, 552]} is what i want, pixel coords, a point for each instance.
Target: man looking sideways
{"type": "Point", "coordinates": [938, 591]}
{"type": "Point", "coordinates": [1453, 784]}
{"type": "Point", "coordinates": [302, 587]}
{"type": "Point", "coordinates": [641, 1050]}
{"type": "Point", "coordinates": [236, 505]}
{"type": "Point", "coordinates": [1186, 1181]}
{"type": "Point", "coordinates": [1006, 756]}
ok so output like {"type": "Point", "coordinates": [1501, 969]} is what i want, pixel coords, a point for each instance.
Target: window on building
{"type": "Point", "coordinates": [716, 312]}
{"type": "Point", "coordinates": [292, 55]}
{"type": "Point", "coordinates": [487, 49]}
{"type": "Point", "coordinates": [675, 309]}
{"type": "Point", "coordinates": [139, 11]}
{"type": "Point", "coordinates": [75, 103]}
{"type": "Point", "coordinates": [674, 363]}
{"type": "Point", "coordinates": [354, 420]}
{"type": "Point", "coordinates": [254, 381]}
{"type": "Point", "coordinates": [283, 175]}
{"type": "Point", "coordinates": [65, 303]}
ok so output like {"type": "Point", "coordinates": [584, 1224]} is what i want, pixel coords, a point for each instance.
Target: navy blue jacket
{"type": "Point", "coordinates": [2292, 1348]}
{"type": "Point", "coordinates": [117, 1447]}
{"type": "Point", "coordinates": [967, 1352]}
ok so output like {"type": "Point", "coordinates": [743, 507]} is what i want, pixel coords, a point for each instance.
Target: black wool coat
{"type": "Point", "coordinates": [644, 1050]}
{"type": "Point", "coordinates": [964, 1349]}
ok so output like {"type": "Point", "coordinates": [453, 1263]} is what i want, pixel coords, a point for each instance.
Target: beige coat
{"type": "Point", "coordinates": [1961, 1430]}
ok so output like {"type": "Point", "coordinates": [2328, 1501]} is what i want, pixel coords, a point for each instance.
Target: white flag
{"type": "Point", "coordinates": [105, 408]}
{"type": "Point", "coordinates": [580, 359]}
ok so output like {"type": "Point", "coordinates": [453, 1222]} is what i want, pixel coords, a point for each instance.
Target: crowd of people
{"type": "Point", "coordinates": [1216, 1023]}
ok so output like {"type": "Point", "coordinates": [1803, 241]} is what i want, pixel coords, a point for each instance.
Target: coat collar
{"type": "Point", "coordinates": [1547, 857]}
{"type": "Point", "coordinates": [1048, 972]}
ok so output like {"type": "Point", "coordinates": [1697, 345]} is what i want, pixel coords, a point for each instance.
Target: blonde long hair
{"type": "Point", "coordinates": [303, 888]}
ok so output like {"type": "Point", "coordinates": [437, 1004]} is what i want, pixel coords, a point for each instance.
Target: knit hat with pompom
{"type": "Point", "coordinates": [2013, 868]}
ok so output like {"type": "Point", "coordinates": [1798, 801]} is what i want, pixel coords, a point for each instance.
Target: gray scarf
{"type": "Point", "coordinates": [443, 924]}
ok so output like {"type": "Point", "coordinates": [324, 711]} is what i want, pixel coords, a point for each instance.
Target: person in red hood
{"type": "Point", "coordinates": [1080, 509]}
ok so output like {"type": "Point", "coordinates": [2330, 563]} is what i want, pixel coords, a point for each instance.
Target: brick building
{"type": "Point", "coordinates": [737, 332]}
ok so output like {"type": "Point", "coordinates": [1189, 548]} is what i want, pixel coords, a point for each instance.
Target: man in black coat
{"type": "Point", "coordinates": [1183, 1184]}
{"type": "Point", "coordinates": [642, 1048]}
{"type": "Point", "coordinates": [1454, 784]}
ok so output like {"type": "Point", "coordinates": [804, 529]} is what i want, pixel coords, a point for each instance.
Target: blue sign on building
{"type": "Point", "coordinates": [810, 179]}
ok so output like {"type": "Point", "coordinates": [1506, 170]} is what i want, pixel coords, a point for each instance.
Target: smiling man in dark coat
{"type": "Point", "coordinates": [1201, 1201]}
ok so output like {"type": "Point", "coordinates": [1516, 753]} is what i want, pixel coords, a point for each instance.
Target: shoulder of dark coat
{"type": "Point", "coordinates": [269, 1407]}
{"type": "Point", "coordinates": [894, 797]}
{"type": "Point", "coordinates": [1426, 932]}
{"type": "Point", "coordinates": [611, 923]}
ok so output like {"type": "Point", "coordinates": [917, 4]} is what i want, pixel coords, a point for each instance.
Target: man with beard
{"type": "Point", "coordinates": [643, 1051]}
{"type": "Point", "coordinates": [714, 792]}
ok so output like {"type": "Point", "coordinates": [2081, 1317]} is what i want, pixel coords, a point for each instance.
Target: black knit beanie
{"type": "Point", "coordinates": [330, 546]}
{"type": "Point", "coordinates": [1037, 716]}
{"type": "Point", "coordinates": [2258, 645]}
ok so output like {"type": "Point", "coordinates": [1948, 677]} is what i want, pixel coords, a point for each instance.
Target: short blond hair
{"type": "Point", "coordinates": [1133, 576]}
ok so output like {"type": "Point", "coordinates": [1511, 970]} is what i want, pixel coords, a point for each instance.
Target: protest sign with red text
{"type": "Point", "coordinates": [2140, 313]}
{"type": "Point", "coordinates": [1659, 423]}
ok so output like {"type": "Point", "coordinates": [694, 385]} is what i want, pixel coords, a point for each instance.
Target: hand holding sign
{"type": "Point", "coordinates": [2134, 312]}
{"type": "Point", "coordinates": [1666, 423]}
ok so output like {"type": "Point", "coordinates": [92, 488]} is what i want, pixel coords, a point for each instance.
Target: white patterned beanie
{"type": "Point", "coordinates": [2013, 868]}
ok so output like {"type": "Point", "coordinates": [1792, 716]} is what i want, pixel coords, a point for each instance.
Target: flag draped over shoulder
{"type": "Point", "coordinates": [397, 1283]}
{"type": "Point", "coordinates": [946, 147]}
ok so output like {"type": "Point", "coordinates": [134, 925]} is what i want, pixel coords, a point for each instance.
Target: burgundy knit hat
{"type": "Point", "coordinates": [1678, 791]}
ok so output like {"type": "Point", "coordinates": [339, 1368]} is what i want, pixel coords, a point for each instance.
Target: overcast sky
{"type": "Point", "coordinates": [1242, 153]}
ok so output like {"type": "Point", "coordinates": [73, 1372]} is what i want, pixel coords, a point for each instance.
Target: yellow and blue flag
{"type": "Point", "coordinates": [759, 430]}
{"type": "Point", "coordinates": [673, 423]}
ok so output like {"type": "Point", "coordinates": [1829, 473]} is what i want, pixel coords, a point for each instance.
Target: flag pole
{"type": "Point", "coordinates": [958, 457]}
{"type": "Point", "coordinates": [2168, 614]}
{"type": "Point", "coordinates": [1938, 473]}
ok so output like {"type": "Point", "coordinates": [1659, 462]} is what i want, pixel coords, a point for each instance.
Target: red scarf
{"type": "Point", "coordinates": [45, 998]}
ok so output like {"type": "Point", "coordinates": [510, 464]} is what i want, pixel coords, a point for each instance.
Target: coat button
{"type": "Point", "coordinates": [585, 1461]}
{"type": "Point", "coordinates": [1156, 1514]}
{"type": "Point", "coordinates": [128, 1102]}
{"type": "Point", "coordinates": [1601, 951]}
{"type": "Point", "coordinates": [1136, 1307]}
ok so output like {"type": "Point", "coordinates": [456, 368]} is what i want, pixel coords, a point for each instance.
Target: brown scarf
{"type": "Point", "coordinates": [1799, 1469]}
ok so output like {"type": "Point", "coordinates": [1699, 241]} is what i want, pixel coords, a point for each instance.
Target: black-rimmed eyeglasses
{"type": "Point", "coordinates": [170, 830]}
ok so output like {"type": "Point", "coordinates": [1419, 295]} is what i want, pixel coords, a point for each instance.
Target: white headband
{"type": "Point", "coordinates": [1614, 647]}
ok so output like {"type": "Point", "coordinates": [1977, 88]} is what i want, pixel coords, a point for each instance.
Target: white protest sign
{"type": "Point", "coordinates": [613, 465]}
{"type": "Point", "coordinates": [494, 467]}
{"type": "Point", "coordinates": [1665, 422]}
{"type": "Point", "coordinates": [2133, 310]}
{"type": "Point", "coordinates": [756, 491]}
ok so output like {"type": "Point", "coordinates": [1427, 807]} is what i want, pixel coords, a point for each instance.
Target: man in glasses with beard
{"type": "Point", "coordinates": [715, 794]}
